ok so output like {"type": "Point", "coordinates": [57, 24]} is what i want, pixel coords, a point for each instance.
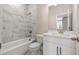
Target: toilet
{"type": "Point", "coordinates": [34, 48]}
{"type": "Point", "coordinates": [39, 38]}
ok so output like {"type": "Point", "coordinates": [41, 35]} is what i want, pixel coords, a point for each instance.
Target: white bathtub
{"type": "Point", "coordinates": [18, 47]}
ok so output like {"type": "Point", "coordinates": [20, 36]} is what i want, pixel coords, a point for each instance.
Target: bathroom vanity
{"type": "Point", "coordinates": [59, 44]}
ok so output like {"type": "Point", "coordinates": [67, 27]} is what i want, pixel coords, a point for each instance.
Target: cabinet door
{"type": "Point", "coordinates": [68, 43]}
{"type": "Point", "coordinates": [77, 48]}
{"type": "Point", "coordinates": [44, 45]}
{"type": "Point", "coordinates": [67, 51]}
{"type": "Point", "coordinates": [68, 47]}
{"type": "Point", "coordinates": [52, 49]}
{"type": "Point", "coordinates": [50, 46]}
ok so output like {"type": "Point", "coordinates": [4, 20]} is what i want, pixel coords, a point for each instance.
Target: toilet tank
{"type": "Point", "coordinates": [39, 38]}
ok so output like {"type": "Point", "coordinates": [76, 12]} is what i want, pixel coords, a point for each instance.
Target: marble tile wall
{"type": "Point", "coordinates": [16, 21]}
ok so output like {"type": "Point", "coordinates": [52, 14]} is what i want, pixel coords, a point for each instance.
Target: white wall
{"type": "Point", "coordinates": [52, 18]}
{"type": "Point", "coordinates": [42, 17]}
{"type": "Point", "coordinates": [75, 19]}
{"type": "Point", "coordinates": [16, 21]}
{"type": "Point", "coordinates": [78, 18]}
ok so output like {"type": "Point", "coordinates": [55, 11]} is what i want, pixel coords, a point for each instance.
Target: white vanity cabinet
{"type": "Point", "coordinates": [77, 47]}
{"type": "Point", "coordinates": [57, 45]}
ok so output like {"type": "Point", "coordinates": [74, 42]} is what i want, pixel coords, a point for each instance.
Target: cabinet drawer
{"type": "Point", "coordinates": [77, 48]}
{"type": "Point", "coordinates": [52, 40]}
{"type": "Point", "coordinates": [52, 48]}
{"type": "Point", "coordinates": [68, 51]}
{"type": "Point", "coordinates": [49, 48]}
{"type": "Point", "coordinates": [68, 43]}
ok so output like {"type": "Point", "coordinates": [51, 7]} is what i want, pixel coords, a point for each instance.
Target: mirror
{"type": "Point", "coordinates": [64, 21]}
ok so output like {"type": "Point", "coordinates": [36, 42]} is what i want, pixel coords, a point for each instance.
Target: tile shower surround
{"type": "Point", "coordinates": [16, 21]}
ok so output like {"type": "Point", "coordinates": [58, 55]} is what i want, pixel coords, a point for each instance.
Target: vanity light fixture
{"type": "Point", "coordinates": [52, 4]}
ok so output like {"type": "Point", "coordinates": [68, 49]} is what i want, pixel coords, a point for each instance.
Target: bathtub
{"type": "Point", "coordinates": [18, 47]}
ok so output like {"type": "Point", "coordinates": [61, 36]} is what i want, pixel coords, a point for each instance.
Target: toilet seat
{"type": "Point", "coordinates": [34, 48]}
{"type": "Point", "coordinates": [34, 45]}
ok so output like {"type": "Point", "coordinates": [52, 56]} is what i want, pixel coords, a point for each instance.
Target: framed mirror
{"type": "Point", "coordinates": [64, 21]}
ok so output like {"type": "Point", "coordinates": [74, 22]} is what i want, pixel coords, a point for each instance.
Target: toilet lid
{"type": "Point", "coordinates": [35, 44]}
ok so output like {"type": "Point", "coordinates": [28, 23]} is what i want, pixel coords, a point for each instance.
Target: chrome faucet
{"type": "Point", "coordinates": [30, 32]}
